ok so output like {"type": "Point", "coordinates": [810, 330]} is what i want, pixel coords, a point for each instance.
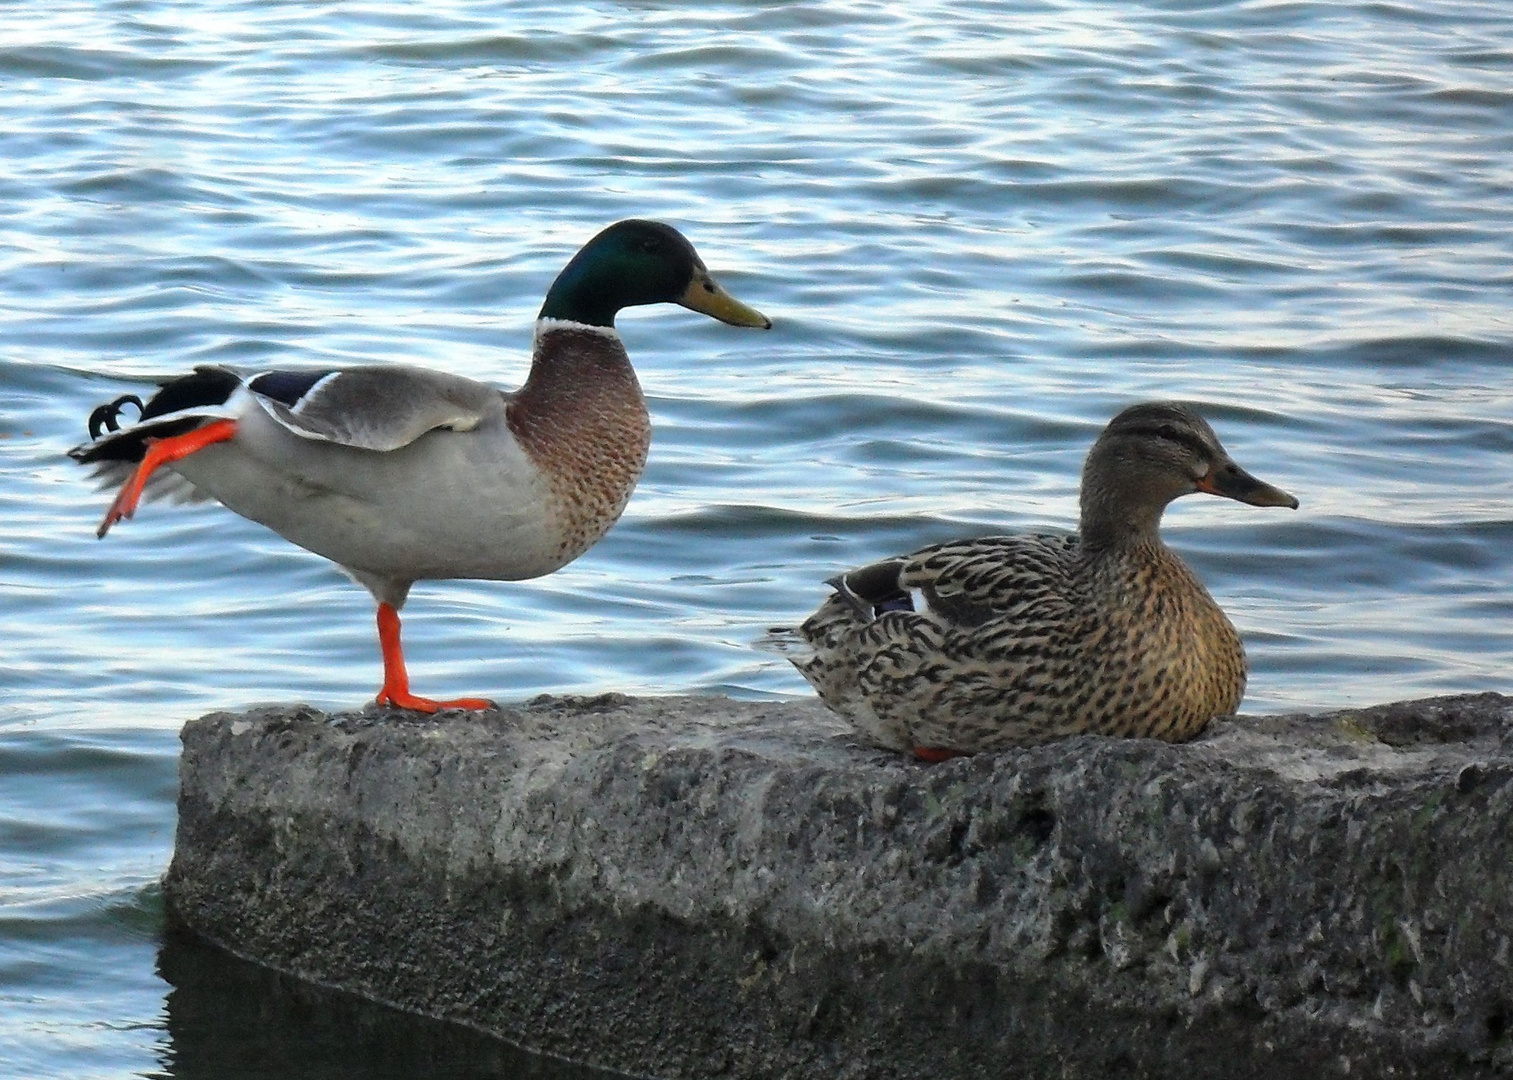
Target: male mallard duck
{"type": "Point", "coordinates": [399, 474]}
{"type": "Point", "coordinates": [1016, 640]}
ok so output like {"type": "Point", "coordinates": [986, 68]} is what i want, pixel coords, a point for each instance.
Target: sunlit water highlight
{"type": "Point", "coordinates": [981, 229]}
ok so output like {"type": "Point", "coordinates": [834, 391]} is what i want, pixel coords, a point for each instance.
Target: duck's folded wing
{"type": "Point", "coordinates": [969, 582]}
{"type": "Point", "coordinates": [374, 408]}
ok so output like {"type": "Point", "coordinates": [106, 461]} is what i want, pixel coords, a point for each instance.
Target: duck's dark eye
{"type": "Point", "coordinates": [651, 245]}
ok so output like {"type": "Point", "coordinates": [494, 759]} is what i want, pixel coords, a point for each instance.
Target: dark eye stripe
{"type": "Point", "coordinates": [1185, 439]}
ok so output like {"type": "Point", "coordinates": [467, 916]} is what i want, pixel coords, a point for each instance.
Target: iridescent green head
{"type": "Point", "coordinates": [640, 262]}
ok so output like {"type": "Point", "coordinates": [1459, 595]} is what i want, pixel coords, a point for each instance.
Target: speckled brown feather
{"type": "Point", "coordinates": [582, 418]}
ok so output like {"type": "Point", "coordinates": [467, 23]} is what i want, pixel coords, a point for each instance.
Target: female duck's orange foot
{"type": "Point", "coordinates": [934, 754]}
{"type": "Point", "coordinates": [403, 699]}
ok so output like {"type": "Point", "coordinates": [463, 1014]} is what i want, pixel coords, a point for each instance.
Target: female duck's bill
{"type": "Point", "coordinates": [400, 474]}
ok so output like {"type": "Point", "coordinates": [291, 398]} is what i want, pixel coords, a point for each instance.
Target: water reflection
{"type": "Point", "coordinates": [228, 1019]}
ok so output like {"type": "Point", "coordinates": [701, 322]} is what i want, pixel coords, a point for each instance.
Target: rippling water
{"type": "Point", "coordinates": [981, 228]}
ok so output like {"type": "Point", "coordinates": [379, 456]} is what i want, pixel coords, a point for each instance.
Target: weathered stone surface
{"type": "Point", "coordinates": [691, 887]}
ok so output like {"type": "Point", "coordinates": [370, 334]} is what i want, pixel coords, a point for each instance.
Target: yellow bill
{"type": "Point", "coordinates": [705, 296]}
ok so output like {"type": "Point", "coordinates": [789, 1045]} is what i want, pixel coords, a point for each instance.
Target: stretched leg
{"type": "Point", "coordinates": [396, 687]}
{"type": "Point", "coordinates": [162, 452]}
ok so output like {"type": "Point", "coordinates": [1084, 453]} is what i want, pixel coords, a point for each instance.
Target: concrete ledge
{"type": "Point", "coordinates": [695, 887]}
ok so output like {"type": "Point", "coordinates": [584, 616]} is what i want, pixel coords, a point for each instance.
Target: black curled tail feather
{"type": "Point", "coordinates": [108, 416]}
{"type": "Point", "coordinates": [206, 387]}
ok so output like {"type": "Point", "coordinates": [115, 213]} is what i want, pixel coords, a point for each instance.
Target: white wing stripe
{"type": "Point", "coordinates": [310, 394]}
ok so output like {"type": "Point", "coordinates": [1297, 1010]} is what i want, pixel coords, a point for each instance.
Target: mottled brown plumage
{"type": "Point", "coordinates": [1015, 640]}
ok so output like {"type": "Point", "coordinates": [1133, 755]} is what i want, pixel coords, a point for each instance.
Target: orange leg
{"type": "Point", "coordinates": [935, 755]}
{"type": "Point", "coordinates": [162, 452]}
{"type": "Point", "coordinates": [396, 687]}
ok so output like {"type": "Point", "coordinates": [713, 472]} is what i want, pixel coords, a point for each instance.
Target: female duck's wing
{"type": "Point", "coordinates": [969, 615]}
{"type": "Point", "coordinates": [373, 408]}
{"type": "Point", "coordinates": [965, 583]}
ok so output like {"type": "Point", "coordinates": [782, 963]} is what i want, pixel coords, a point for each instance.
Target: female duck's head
{"type": "Point", "coordinates": [1149, 455]}
{"type": "Point", "coordinates": [640, 262]}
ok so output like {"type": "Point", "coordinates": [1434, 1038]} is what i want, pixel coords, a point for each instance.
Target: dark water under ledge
{"type": "Point", "coordinates": [228, 1019]}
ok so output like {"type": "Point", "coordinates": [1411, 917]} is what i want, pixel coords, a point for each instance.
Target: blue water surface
{"type": "Point", "coordinates": [980, 227]}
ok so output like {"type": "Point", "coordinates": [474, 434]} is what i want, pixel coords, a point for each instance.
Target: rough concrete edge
{"type": "Point", "coordinates": [1363, 719]}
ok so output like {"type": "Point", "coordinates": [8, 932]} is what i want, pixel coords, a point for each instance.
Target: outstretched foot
{"type": "Point", "coordinates": [161, 452]}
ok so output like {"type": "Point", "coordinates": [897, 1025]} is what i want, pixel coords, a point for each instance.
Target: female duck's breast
{"type": "Point", "coordinates": [1182, 660]}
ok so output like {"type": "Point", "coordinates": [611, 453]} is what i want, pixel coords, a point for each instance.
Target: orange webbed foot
{"type": "Point", "coordinates": [396, 687]}
{"type": "Point", "coordinates": [403, 699]}
{"type": "Point", "coordinates": [161, 452]}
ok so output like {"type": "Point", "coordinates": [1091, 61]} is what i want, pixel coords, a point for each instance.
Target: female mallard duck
{"type": "Point", "coordinates": [1016, 640]}
{"type": "Point", "coordinates": [399, 474]}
